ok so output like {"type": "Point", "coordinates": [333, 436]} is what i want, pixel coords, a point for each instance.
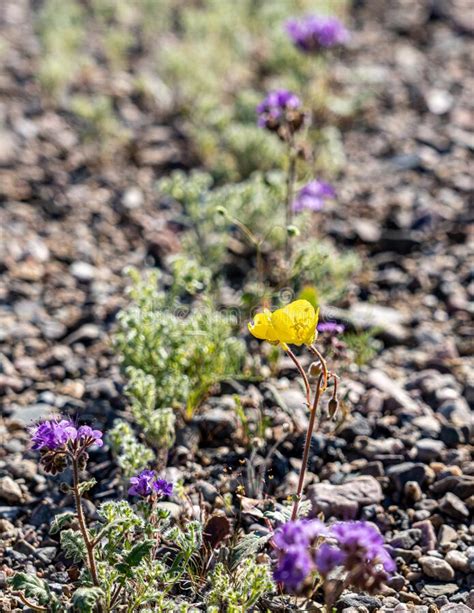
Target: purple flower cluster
{"type": "Point", "coordinates": [280, 109]}
{"type": "Point", "coordinates": [331, 327]}
{"type": "Point", "coordinates": [312, 196]}
{"type": "Point", "coordinates": [54, 434]}
{"type": "Point", "coordinates": [147, 483]}
{"type": "Point", "coordinates": [294, 541]}
{"type": "Point", "coordinates": [316, 32]}
{"type": "Point", "coordinates": [357, 547]}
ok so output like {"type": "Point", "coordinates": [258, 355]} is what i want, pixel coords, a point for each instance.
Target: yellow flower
{"type": "Point", "coordinates": [262, 327]}
{"type": "Point", "coordinates": [294, 324]}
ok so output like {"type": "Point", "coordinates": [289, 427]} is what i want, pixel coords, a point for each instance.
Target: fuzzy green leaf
{"type": "Point", "coordinates": [134, 557]}
{"type": "Point", "coordinates": [60, 521]}
{"type": "Point", "coordinates": [85, 599]}
{"type": "Point", "coordinates": [73, 545]}
{"type": "Point", "coordinates": [35, 589]}
{"type": "Point", "coordinates": [86, 485]}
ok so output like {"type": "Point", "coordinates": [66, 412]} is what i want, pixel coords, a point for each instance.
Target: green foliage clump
{"type": "Point", "coordinates": [240, 590]}
{"type": "Point", "coordinates": [318, 264]}
{"type": "Point", "coordinates": [173, 352]}
{"type": "Point", "coordinates": [132, 456]}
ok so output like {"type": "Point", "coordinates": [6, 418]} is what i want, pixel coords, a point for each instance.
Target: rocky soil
{"type": "Point", "coordinates": [404, 456]}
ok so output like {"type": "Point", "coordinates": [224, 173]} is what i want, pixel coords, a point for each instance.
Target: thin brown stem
{"type": "Point", "coordinates": [31, 605]}
{"type": "Point", "coordinates": [290, 182]}
{"type": "Point", "coordinates": [323, 363]}
{"type": "Point", "coordinates": [307, 445]}
{"type": "Point", "coordinates": [307, 387]}
{"type": "Point", "coordinates": [82, 523]}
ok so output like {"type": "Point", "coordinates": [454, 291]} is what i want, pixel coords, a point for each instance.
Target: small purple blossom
{"type": "Point", "coordinates": [327, 558]}
{"type": "Point", "coordinates": [280, 109]}
{"type": "Point", "coordinates": [163, 487]}
{"type": "Point", "coordinates": [293, 567]}
{"type": "Point", "coordinates": [315, 32]}
{"type": "Point", "coordinates": [53, 434]}
{"type": "Point", "coordinates": [331, 327]}
{"type": "Point", "coordinates": [146, 483]}
{"type": "Point", "coordinates": [312, 196]}
{"type": "Point", "coordinates": [298, 533]}
{"type": "Point", "coordinates": [90, 436]}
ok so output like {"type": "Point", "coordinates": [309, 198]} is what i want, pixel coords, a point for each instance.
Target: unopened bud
{"type": "Point", "coordinates": [315, 369]}
{"type": "Point", "coordinates": [292, 231]}
{"type": "Point", "coordinates": [333, 406]}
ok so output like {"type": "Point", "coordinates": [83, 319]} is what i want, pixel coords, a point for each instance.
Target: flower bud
{"type": "Point", "coordinates": [315, 369]}
{"type": "Point", "coordinates": [292, 231]}
{"type": "Point", "coordinates": [333, 405]}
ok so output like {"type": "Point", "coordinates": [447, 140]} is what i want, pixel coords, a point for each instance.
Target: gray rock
{"type": "Point", "coordinates": [216, 425]}
{"type": "Point", "coordinates": [406, 539]}
{"type": "Point", "coordinates": [359, 600]}
{"type": "Point", "coordinates": [455, 608]}
{"type": "Point", "coordinates": [439, 589]}
{"type": "Point", "coordinates": [400, 474]}
{"type": "Point", "coordinates": [32, 413]}
{"type": "Point", "coordinates": [461, 485]}
{"type": "Point", "coordinates": [457, 412]}
{"type": "Point", "coordinates": [446, 535]}
{"type": "Point", "coordinates": [46, 554]}
{"type": "Point", "coordinates": [453, 506]}
{"type": "Point", "coordinates": [428, 449]}
{"type": "Point", "coordinates": [346, 499]}
{"type": "Point", "coordinates": [85, 334]}
{"type": "Point", "coordinates": [398, 396]}
{"type": "Point", "coordinates": [428, 535]}
{"type": "Point", "coordinates": [83, 271]}
{"type": "Point", "coordinates": [10, 490]}
{"type": "Point", "coordinates": [436, 568]}
{"type": "Point", "coordinates": [458, 560]}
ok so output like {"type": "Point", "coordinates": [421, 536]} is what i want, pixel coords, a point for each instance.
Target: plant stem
{"type": "Point", "coordinates": [290, 182]}
{"type": "Point", "coordinates": [303, 375]}
{"type": "Point", "coordinates": [323, 363]}
{"type": "Point", "coordinates": [31, 605]}
{"type": "Point", "coordinates": [82, 522]}
{"type": "Point", "coordinates": [307, 445]}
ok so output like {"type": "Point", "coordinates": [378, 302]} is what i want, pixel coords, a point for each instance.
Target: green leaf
{"type": "Point", "coordinates": [60, 521]}
{"type": "Point", "coordinates": [35, 589]}
{"type": "Point", "coordinates": [134, 557]}
{"type": "Point", "coordinates": [85, 599]}
{"type": "Point", "coordinates": [247, 547]}
{"type": "Point", "coordinates": [86, 485]}
{"type": "Point", "coordinates": [73, 545]}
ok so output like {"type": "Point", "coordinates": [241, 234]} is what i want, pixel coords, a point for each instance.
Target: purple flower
{"type": "Point", "coordinates": [311, 197]}
{"type": "Point", "coordinates": [89, 436]}
{"type": "Point", "coordinates": [327, 558]}
{"type": "Point", "coordinates": [298, 533]}
{"type": "Point", "coordinates": [146, 483]}
{"type": "Point", "coordinates": [53, 434]}
{"type": "Point", "coordinates": [280, 108]}
{"type": "Point", "coordinates": [142, 484]}
{"type": "Point", "coordinates": [365, 558]}
{"type": "Point", "coordinates": [331, 327]}
{"type": "Point", "coordinates": [315, 32]}
{"type": "Point", "coordinates": [163, 487]}
{"type": "Point", "coordinates": [293, 567]}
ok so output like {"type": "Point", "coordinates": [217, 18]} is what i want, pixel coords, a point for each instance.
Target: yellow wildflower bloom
{"type": "Point", "coordinates": [294, 324]}
{"type": "Point", "coordinates": [262, 327]}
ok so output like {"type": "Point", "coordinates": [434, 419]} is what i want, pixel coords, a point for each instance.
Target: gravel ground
{"type": "Point", "coordinates": [404, 456]}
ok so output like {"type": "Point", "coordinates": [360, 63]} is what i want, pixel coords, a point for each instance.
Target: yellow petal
{"type": "Point", "coordinates": [296, 323]}
{"type": "Point", "coordinates": [262, 327]}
